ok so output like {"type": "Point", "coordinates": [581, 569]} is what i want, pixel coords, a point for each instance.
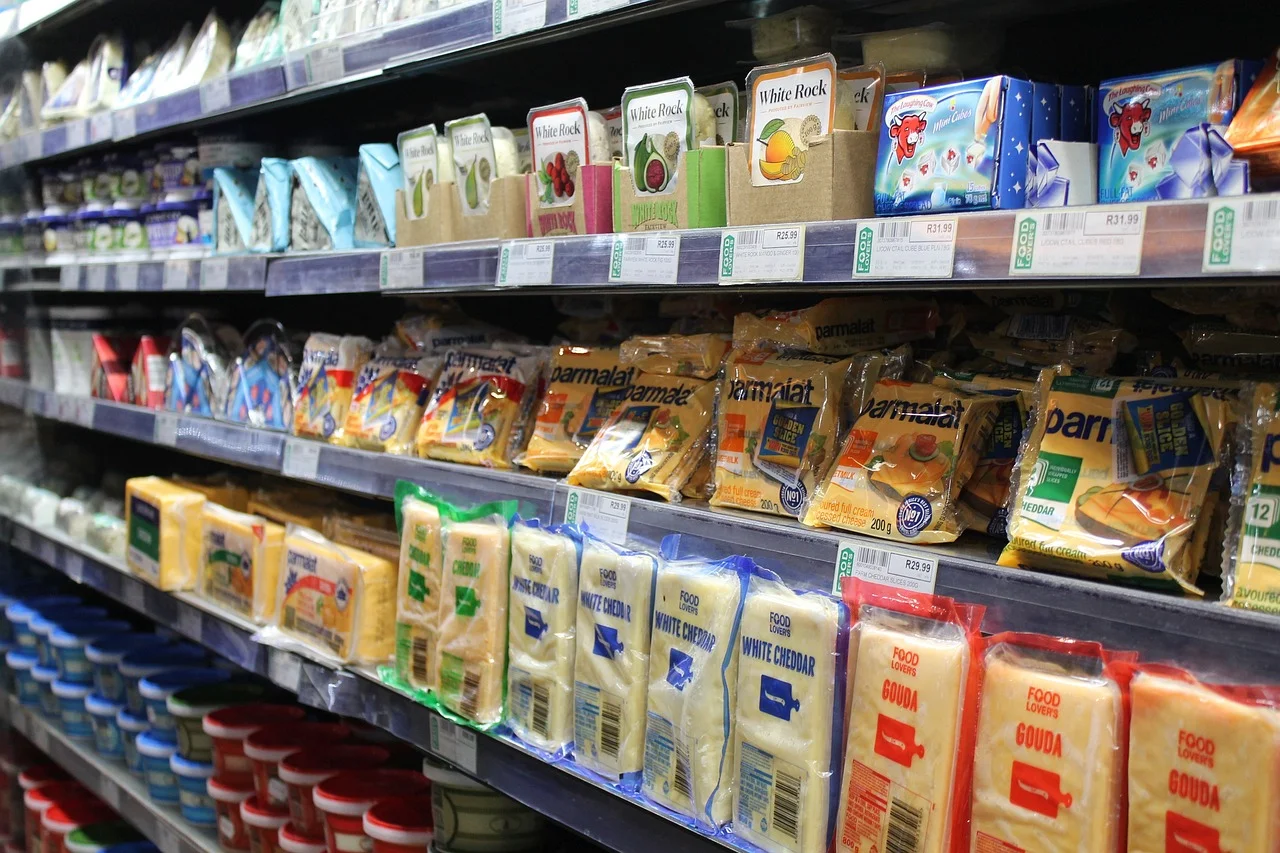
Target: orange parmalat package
{"type": "Point", "coordinates": [585, 385]}
{"type": "Point", "coordinates": [913, 704]}
{"type": "Point", "coordinates": [1042, 340]}
{"type": "Point", "coordinates": [696, 356]}
{"type": "Point", "coordinates": [386, 405]}
{"type": "Point", "coordinates": [480, 408]}
{"type": "Point", "coordinates": [842, 325]}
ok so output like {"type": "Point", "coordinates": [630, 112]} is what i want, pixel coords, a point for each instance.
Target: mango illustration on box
{"type": "Point", "coordinates": [792, 105]}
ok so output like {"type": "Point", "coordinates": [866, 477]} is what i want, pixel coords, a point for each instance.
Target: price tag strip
{"type": "Point", "coordinates": [1103, 241]}
{"type": "Point", "coordinates": [645, 259]}
{"type": "Point", "coordinates": [215, 95]}
{"type": "Point", "coordinates": [512, 17]}
{"type": "Point", "coordinates": [402, 269]}
{"type": "Point", "coordinates": [910, 247]}
{"type": "Point", "coordinates": [884, 566]}
{"type": "Point", "coordinates": [771, 253]}
{"type": "Point", "coordinates": [95, 277]}
{"type": "Point", "coordinates": [453, 743]}
{"type": "Point", "coordinates": [526, 262]}
{"type": "Point", "coordinates": [164, 430]}
{"type": "Point", "coordinates": [177, 273]}
{"type": "Point", "coordinates": [214, 273]}
{"type": "Point", "coordinates": [301, 458]}
{"type": "Point", "coordinates": [605, 515]}
{"type": "Point", "coordinates": [325, 64]}
{"type": "Point", "coordinates": [127, 276]}
{"type": "Point", "coordinates": [1242, 235]}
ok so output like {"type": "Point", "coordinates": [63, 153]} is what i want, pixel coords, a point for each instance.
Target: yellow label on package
{"type": "Point", "coordinates": [240, 563]}
{"type": "Point", "coordinates": [1252, 576]}
{"type": "Point", "coordinates": [842, 325]}
{"type": "Point", "coordinates": [326, 382]}
{"type": "Point", "coordinates": [585, 386]}
{"type": "Point", "coordinates": [387, 404]}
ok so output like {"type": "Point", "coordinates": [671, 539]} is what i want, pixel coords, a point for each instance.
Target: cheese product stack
{"type": "Point", "coordinates": [542, 624]}
{"type": "Point", "coordinates": [611, 669]}
{"type": "Point", "coordinates": [240, 562]}
{"type": "Point", "coordinates": [1048, 768]}
{"type": "Point", "coordinates": [326, 381]}
{"type": "Point", "coordinates": [163, 521]}
{"type": "Point", "coordinates": [693, 686]}
{"type": "Point", "coordinates": [1251, 570]}
{"type": "Point", "coordinates": [842, 325]}
{"type": "Point", "coordinates": [217, 488]}
{"type": "Point", "coordinates": [790, 717]}
{"type": "Point", "coordinates": [912, 705]}
{"type": "Point", "coordinates": [289, 507]}
{"type": "Point", "coordinates": [1204, 764]}
{"type": "Point", "coordinates": [387, 401]}
{"type": "Point", "coordinates": [585, 386]}
{"type": "Point", "coordinates": [419, 590]}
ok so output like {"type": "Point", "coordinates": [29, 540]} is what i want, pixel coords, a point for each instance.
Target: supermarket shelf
{"type": "Point", "coordinates": [110, 781]}
{"type": "Point", "coordinates": [172, 273]}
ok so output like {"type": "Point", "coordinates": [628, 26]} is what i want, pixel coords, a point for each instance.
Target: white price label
{"type": "Point", "coordinates": [884, 566]}
{"type": "Point", "coordinates": [215, 95]}
{"type": "Point", "coordinates": [284, 669]}
{"type": "Point", "coordinates": [582, 8]}
{"type": "Point", "coordinates": [526, 262]}
{"type": "Point", "coordinates": [772, 253]}
{"type": "Point", "coordinates": [95, 277]}
{"type": "Point", "coordinates": [33, 146]}
{"type": "Point", "coordinates": [39, 735]}
{"type": "Point", "coordinates": [48, 552]}
{"type": "Point", "coordinates": [82, 412]}
{"type": "Point", "coordinates": [126, 123]}
{"type": "Point", "coordinates": [512, 17]}
{"type": "Point", "coordinates": [77, 134]}
{"type": "Point", "coordinates": [1100, 241]}
{"type": "Point", "coordinates": [190, 622]}
{"type": "Point", "coordinates": [167, 839]}
{"type": "Point", "coordinates": [301, 458]}
{"type": "Point", "coordinates": [911, 247]}
{"type": "Point", "coordinates": [401, 269]}
{"type": "Point", "coordinates": [214, 273]}
{"type": "Point", "coordinates": [1241, 235]}
{"type": "Point", "coordinates": [605, 515]}
{"type": "Point", "coordinates": [69, 277]}
{"type": "Point", "coordinates": [22, 539]}
{"type": "Point", "coordinates": [110, 792]}
{"type": "Point", "coordinates": [177, 273]}
{"type": "Point", "coordinates": [135, 595]}
{"type": "Point", "coordinates": [101, 128]}
{"type": "Point", "coordinates": [126, 277]}
{"type": "Point", "coordinates": [453, 743]}
{"type": "Point", "coordinates": [164, 430]}
{"type": "Point", "coordinates": [645, 259]}
{"type": "Point", "coordinates": [73, 565]}
{"type": "Point", "coordinates": [325, 64]}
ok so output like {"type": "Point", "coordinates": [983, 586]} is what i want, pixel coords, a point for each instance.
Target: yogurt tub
{"type": "Point", "coordinates": [62, 819]}
{"type": "Point", "coordinates": [20, 613]}
{"type": "Point", "coordinates": [51, 619]}
{"type": "Point", "coordinates": [100, 837]}
{"type": "Point", "coordinates": [20, 663]}
{"type": "Point", "coordinates": [38, 800]}
{"type": "Point", "coordinates": [10, 235]}
{"type": "Point", "coordinates": [131, 725]}
{"type": "Point", "coordinates": [155, 752]}
{"type": "Point", "coordinates": [227, 796]}
{"type": "Point", "coordinates": [106, 731]}
{"type": "Point", "coordinates": [400, 825]}
{"type": "Point", "coordinates": [293, 841]}
{"type": "Point", "coordinates": [188, 709]}
{"type": "Point", "coordinates": [135, 666]}
{"type": "Point", "coordinates": [228, 728]}
{"type": "Point", "coordinates": [104, 655]}
{"type": "Point", "coordinates": [69, 640]}
{"type": "Point", "coordinates": [71, 709]}
{"type": "Point", "coordinates": [128, 228]}
{"type": "Point", "coordinates": [44, 677]}
{"type": "Point", "coordinates": [269, 746]}
{"type": "Point", "coordinates": [204, 217]}
{"type": "Point", "coordinates": [174, 224]}
{"type": "Point", "coordinates": [263, 823]}
{"type": "Point", "coordinates": [193, 790]}
{"type": "Point", "coordinates": [302, 771]}
{"type": "Point", "coordinates": [57, 231]}
{"type": "Point", "coordinates": [89, 220]}
{"type": "Point", "coordinates": [156, 689]}
{"type": "Point", "coordinates": [471, 817]}
{"type": "Point", "coordinates": [343, 799]}
{"type": "Point", "coordinates": [176, 168]}
{"type": "Point", "coordinates": [32, 233]}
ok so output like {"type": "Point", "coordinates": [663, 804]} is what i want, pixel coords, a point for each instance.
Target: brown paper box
{"type": "Point", "coordinates": [435, 227]}
{"type": "Point", "coordinates": [505, 219]}
{"type": "Point", "coordinates": [838, 183]}
{"type": "Point", "coordinates": [697, 202]}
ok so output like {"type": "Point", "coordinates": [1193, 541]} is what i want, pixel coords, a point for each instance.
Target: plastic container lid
{"type": "Point", "coordinates": [100, 836]}
{"type": "Point", "coordinates": [131, 722]}
{"type": "Point", "coordinates": [64, 817]}
{"type": "Point", "coordinates": [352, 793]}
{"type": "Point", "coordinates": [100, 706]}
{"type": "Point", "coordinates": [235, 789]}
{"type": "Point", "coordinates": [145, 662]}
{"type": "Point", "coordinates": [189, 769]}
{"type": "Point", "coordinates": [237, 722]}
{"type": "Point", "coordinates": [274, 743]}
{"type": "Point", "coordinates": [20, 659]}
{"type": "Point", "coordinates": [198, 700]}
{"type": "Point", "coordinates": [313, 765]}
{"type": "Point", "coordinates": [400, 820]}
{"type": "Point", "coordinates": [263, 816]}
{"type": "Point", "coordinates": [161, 685]}
{"type": "Point", "coordinates": [293, 841]}
{"type": "Point", "coordinates": [23, 611]}
{"type": "Point", "coordinates": [46, 621]}
{"type": "Point", "coordinates": [71, 635]}
{"type": "Point", "coordinates": [109, 650]}
{"type": "Point", "coordinates": [34, 777]}
{"type": "Point", "coordinates": [40, 798]}
{"type": "Point", "coordinates": [150, 745]}
{"type": "Point", "coordinates": [71, 690]}
{"type": "Point", "coordinates": [44, 674]}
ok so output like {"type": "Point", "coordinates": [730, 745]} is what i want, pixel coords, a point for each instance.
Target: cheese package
{"type": "Point", "coordinates": [198, 376]}
{"type": "Point", "coordinates": [218, 488]}
{"type": "Point", "coordinates": [436, 334]}
{"type": "Point", "coordinates": [164, 523]}
{"type": "Point", "coordinates": [240, 562]}
{"type": "Point", "coordinates": [1113, 477]}
{"type": "Point", "coordinates": [480, 407]}
{"type": "Point", "coordinates": [419, 590]}
{"type": "Point", "coordinates": [148, 372]}
{"type": "Point", "coordinates": [611, 670]}
{"type": "Point", "coordinates": [904, 463]}
{"type": "Point", "coordinates": [541, 632]}
{"type": "Point", "coordinates": [585, 386]}
{"type": "Point", "coordinates": [1049, 769]}
{"type": "Point", "coordinates": [693, 686]}
{"type": "Point", "coordinates": [778, 419]}
{"type": "Point", "coordinates": [336, 600]}
{"type": "Point", "coordinates": [386, 406]}
{"type": "Point", "coordinates": [325, 382]}
{"type": "Point", "coordinates": [1042, 340]}
{"type": "Point", "coordinates": [913, 699]}
{"type": "Point", "coordinates": [842, 325]}
{"type": "Point", "coordinates": [790, 717]}
{"type": "Point", "coordinates": [1251, 556]}
{"type": "Point", "coordinates": [1204, 764]}
{"type": "Point", "coordinates": [263, 379]}
{"type": "Point", "coordinates": [472, 651]}
{"type": "Point", "coordinates": [287, 509]}
{"type": "Point", "coordinates": [697, 356]}
{"type": "Point", "coordinates": [373, 533]}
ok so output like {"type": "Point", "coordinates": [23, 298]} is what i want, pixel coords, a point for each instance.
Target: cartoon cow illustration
{"type": "Point", "coordinates": [1130, 122]}
{"type": "Point", "coordinates": [907, 132]}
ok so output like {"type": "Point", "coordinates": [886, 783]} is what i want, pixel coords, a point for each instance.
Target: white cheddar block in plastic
{"type": "Point", "coordinates": [419, 595]}
{"type": "Point", "coordinates": [240, 562]}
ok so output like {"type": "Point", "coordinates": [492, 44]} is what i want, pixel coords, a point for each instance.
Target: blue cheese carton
{"type": "Point", "coordinates": [1160, 136]}
{"type": "Point", "coordinates": [960, 146]}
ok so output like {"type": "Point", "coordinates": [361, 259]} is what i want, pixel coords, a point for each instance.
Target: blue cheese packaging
{"type": "Point", "coordinates": [961, 146]}
{"type": "Point", "coordinates": [322, 209]}
{"type": "Point", "coordinates": [376, 184]}
{"type": "Point", "coordinates": [233, 191]}
{"type": "Point", "coordinates": [196, 382]}
{"type": "Point", "coordinates": [271, 206]}
{"type": "Point", "coordinates": [264, 379]}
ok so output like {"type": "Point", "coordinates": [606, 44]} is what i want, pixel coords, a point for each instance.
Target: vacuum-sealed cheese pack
{"type": "Point", "coordinates": [240, 562]}
{"type": "Point", "coordinates": [326, 381]}
{"type": "Point", "coordinates": [419, 591]}
{"type": "Point", "coordinates": [541, 631]}
{"type": "Point", "coordinates": [585, 386]}
{"type": "Point", "coordinates": [1204, 764]}
{"type": "Point", "coordinates": [790, 717]}
{"type": "Point", "coordinates": [1113, 477]}
{"type": "Point", "coordinates": [386, 406]}
{"type": "Point", "coordinates": [912, 708]}
{"type": "Point", "coordinates": [696, 356]}
{"type": "Point", "coordinates": [904, 463]}
{"type": "Point", "coordinates": [778, 419]}
{"type": "Point", "coordinates": [1049, 772]}
{"type": "Point", "coordinates": [611, 668]}
{"type": "Point", "coordinates": [263, 380]}
{"type": "Point", "coordinates": [842, 325]}
{"type": "Point", "coordinates": [1251, 556]}
{"type": "Point", "coordinates": [693, 685]}
{"type": "Point", "coordinates": [164, 522]}
{"type": "Point", "coordinates": [198, 378]}
{"type": "Point", "coordinates": [1042, 340]}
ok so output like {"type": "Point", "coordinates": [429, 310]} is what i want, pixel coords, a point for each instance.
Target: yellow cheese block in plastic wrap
{"type": "Point", "coordinates": [336, 599]}
{"type": "Point", "coordinates": [585, 386]}
{"type": "Point", "coordinates": [790, 717]}
{"type": "Point", "coordinates": [542, 623]}
{"type": "Point", "coordinates": [326, 381]}
{"type": "Point", "coordinates": [1048, 769]}
{"type": "Point", "coordinates": [611, 669]}
{"type": "Point", "coordinates": [420, 593]}
{"type": "Point", "coordinates": [1204, 766]}
{"type": "Point", "coordinates": [240, 562]}
{"type": "Point", "coordinates": [164, 523]}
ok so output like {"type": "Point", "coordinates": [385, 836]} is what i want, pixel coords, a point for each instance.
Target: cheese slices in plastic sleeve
{"type": "Point", "coordinates": [1049, 748]}
{"type": "Point", "coordinates": [542, 623]}
{"type": "Point", "coordinates": [1113, 478]}
{"type": "Point", "coordinates": [326, 381]}
{"type": "Point", "coordinates": [386, 406]}
{"type": "Point", "coordinates": [1204, 765]}
{"type": "Point", "coordinates": [240, 562]}
{"type": "Point", "coordinates": [419, 591]}
{"type": "Point", "coordinates": [790, 717]}
{"type": "Point", "coordinates": [611, 668]}
{"type": "Point", "coordinates": [697, 356]}
{"type": "Point", "coordinates": [585, 386]}
{"type": "Point", "coordinates": [164, 523]}
{"type": "Point", "coordinates": [778, 420]}
{"type": "Point", "coordinates": [903, 464]}
{"type": "Point", "coordinates": [693, 684]}
{"type": "Point", "coordinates": [842, 325]}
{"type": "Point", "coordinates": [1251, 571]}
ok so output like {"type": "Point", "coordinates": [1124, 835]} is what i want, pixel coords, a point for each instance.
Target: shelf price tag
{"type": "Point", "coordinates": [164, 430]}
{"type": "Point", "coordinates": [526, 262]}
{"type": "Point", "coordinates": [402, 269]}
{"type": "Point", "coordinates": [884, 566]}
{"type": "Point", "coordinates": [167, 838]}
{"type": "Point", "coordinates": [190, 622]}
{"type": "Point", "coordinates": [21, 539]}
{"type": "Point", "coordinates": [284, 669]}
{"type": "Point", "coordinates": [48, 552]}
{"type": "Point", "coordinates": [110, 792]}
{"type": "Point", "coordinates": [1101, 241]}
{"type": "Point", "coordinates": [126, 123]}
{"type": "Point", "coordinates": [135, 595]}
{"type": "Point", "coordinates": [214, 273]}
{"type": "Point", "coordinates": [606, 515]}
{"type": "Point", "coordinates": [215, 95]}
{"type": "Point", "coordinates": [82, 410]}
{"type": "Point", "coordinates": [1242, 235]}
{"type": "Point", "coordinates": [453, 743]}
{"type": "Point", "coordinates": [69, 277]}
{"type": "Point", "coordinates": [582, 8]}
{"type": "Point", "coordinates": [126, 277]}
{"type": "Point", "coordinates": [101, 128]}
{"type": "Point", "coordinates": [512, 17]}
{"type": "Point", "coordinates": [772, 253]}
{"type": "Point", "coordinates": [73, 566]}
{"type": "Point", "coordinates": [911, 247]}
{"type": "Point", "coordinates": [39, 734]}
{"type": "Point", "coordinates": [33, 146]}
{"type": "Point", "coordinates": [77, 133]}
{"type": "Point", "coordinates": [645, 259]}
{"type": "Point", "coordinates": [325, 64]}
{"type": "Point", "coordinates": [95, 277]}
{"type": "Point", "coordinates": [177, 272]}
{"type": "Point", "coordinates": [301, 458]}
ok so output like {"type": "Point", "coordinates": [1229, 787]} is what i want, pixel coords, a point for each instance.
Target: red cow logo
{"type": "Point", "coordinates": [907, 132]}
{"type": "Point", "coordinates": [1130, 122]}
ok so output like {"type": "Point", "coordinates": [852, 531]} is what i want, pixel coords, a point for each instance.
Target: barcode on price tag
{"type": "Point", "coordinates": [453, 743]}
{"type": "Point", "coordinates": [401, 269]}
{"type": "Point", "coordinates": [301, 458]}
{"type": "Point", "coordinates": [177, 273]}
{"type": "Point", "coordinates": [526, 262]}
{"type": "Point", "coordinates": [762, 254]}
{"type": "Point", "coordinates": [126, 277]}
{"type": "Point", "coordinates": [215, 95]}
{"type": "Point", "coordinates": [605, 515]}
{"type": "Point", "coordinates": [645, 259]}
{"type": "Point", "coordinates": [214, 273]}
{"type": "Point", "coordinates": [1242, 235]}
{"type": "Point", "coordinates": [915, 247]}
{"type": "Point", "coordinates": [95, 277]}
{"type": "Point", "coordinates": [190, 622]}
{"type": "Point", "coordinates": [884, 566]}
{"type": "Point", "coordinates": [325, 64]}
{"type": "Point", "coordinates": [1089, 242]}
{"type": "Point", "coordinates": [165, 429]}
{"type": "Point", "coordinates": [69, 277]}
{"type": "Point", "coordinates": [512, 17]}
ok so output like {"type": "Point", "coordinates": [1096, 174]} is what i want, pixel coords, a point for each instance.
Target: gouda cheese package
{"type": "Point", "coordinates": [778, 419]}
{"type": "Point", "coordinates": [164, 523]}
{"type": "Point", "coordinates": [1204, 765]}
{"type": "Point", "coordinates": [373, 534]}
{"type": "Point", "coordinates": [1114, 477]}
{"type": "Point", "coordinates": [585, 386]}
{"type": "Point", "coordinates": [419, 591]}
{"type": "Point", "coordinates": [240, 562]}
{"type": "Point", "coordinates": [842, 325]}
{"type": "Point", "coordinates": [1048, 772]}
{"type": "Point", "coordinates": [436, 334]}
{"type": "Point", "coordinates": [1047, 339]}
{"type": "Point", "coordinates": [286, 508]}
{"type": "Point", "coordinates": [1251, 572]}
{"type": "Point", "coordinates": [217, 488]}
{"type": "Point", "coordinates": [696, 356]}
{"type": "Point", "coordinates": [904, 463]}
{"type": "Point", "coordinates": [326, 380]}
{"type": "Point", "coordinates": [480, 406]}
{"type": "Point", "coordinates": [386, 406]}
